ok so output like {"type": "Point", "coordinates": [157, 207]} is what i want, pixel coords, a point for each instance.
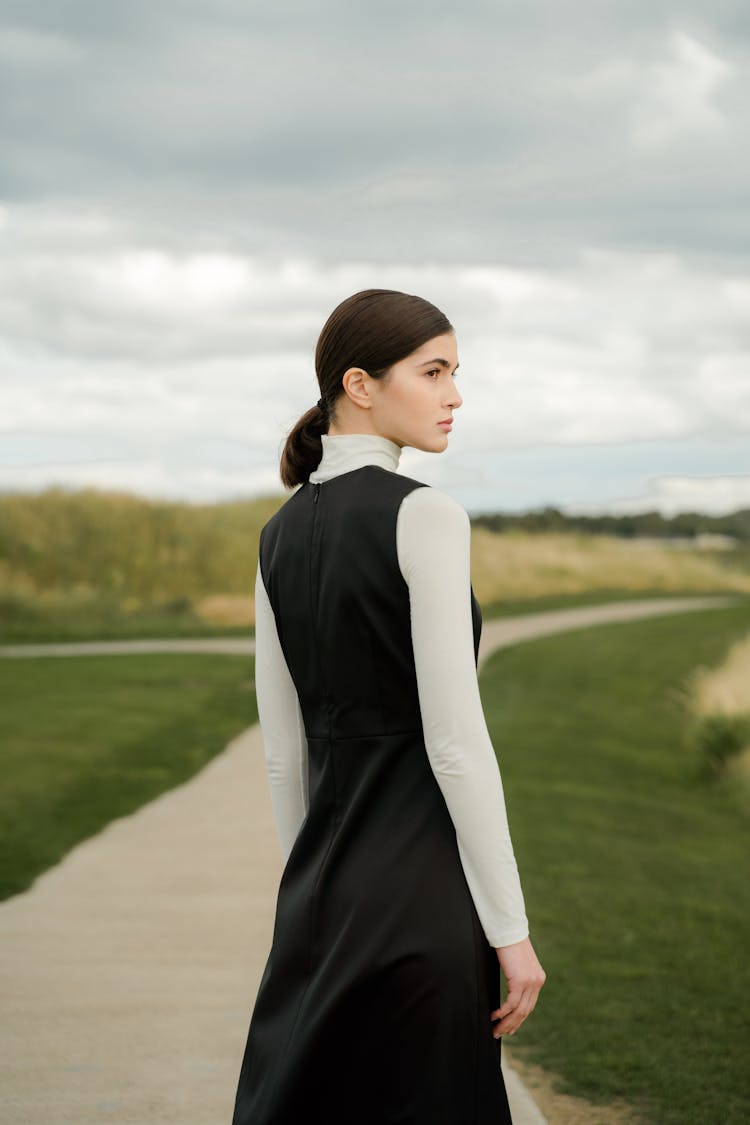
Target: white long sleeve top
{"type": "Point", "coordinates": [433, 536]}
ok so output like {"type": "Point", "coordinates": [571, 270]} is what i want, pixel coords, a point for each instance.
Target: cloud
{"type": "Point", "coordinates": [678, 96]}
{"type": "Point", "coordinates": [152, 477]}
{"type": "Point", "coordinates": [716, 496]}
{"type": "Point", "coordinates": [187, 190]}
{"type": "Point", "coordinates": [405, 133]}
{"type": "Point", "coordinates": [667, 96]}
{"type": "Point", "coordinates": [144, 341]}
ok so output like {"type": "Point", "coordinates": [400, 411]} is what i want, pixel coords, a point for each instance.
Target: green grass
{"type": "Point", "coordinates": [87, 739]}
{"type": "Point", "coordinates": [96, 616]}
{"type": "Point", "coordinates": [635, 867]}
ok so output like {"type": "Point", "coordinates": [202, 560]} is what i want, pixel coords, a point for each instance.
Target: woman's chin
{"type": "Point", "coordinates": [432, 443]}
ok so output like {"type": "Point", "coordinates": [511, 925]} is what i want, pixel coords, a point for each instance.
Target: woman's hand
{"type": "Point", "coordinates": [525, 977]}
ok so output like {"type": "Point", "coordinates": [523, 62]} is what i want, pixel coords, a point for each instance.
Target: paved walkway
{"type": "Point", "coordinates": [128, 972]}
{"type": "Point", "coordinates": [495, 632]}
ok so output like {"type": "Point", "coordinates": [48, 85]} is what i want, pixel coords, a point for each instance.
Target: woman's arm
{"type": "Point", "coordinates": [282, 727]}
{"type": "Point", "coordinates": [433, 536]}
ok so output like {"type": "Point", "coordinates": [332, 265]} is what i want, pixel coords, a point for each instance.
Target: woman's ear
{"type": "Point", "coordinates": [356, 384]}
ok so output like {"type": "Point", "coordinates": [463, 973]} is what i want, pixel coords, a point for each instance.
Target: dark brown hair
{"type": "Point", "coordinates": [373, 330]}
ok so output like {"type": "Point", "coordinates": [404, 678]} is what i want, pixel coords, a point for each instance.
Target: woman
{"type": "Point", "coordinates": [400, 896]}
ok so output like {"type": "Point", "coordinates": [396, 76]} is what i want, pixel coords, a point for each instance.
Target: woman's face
{"type": "Point", "coordinates": [418, 395]}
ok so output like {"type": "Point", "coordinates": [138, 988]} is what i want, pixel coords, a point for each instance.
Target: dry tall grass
{"type": "Point", "coordinates": [719, 700]}
{"type": "Point", "coordinates": [527, 565]}
{"type": "Point", "coordinates": [227, 609]}
{"type": "Point", "coordinates": [60, 550]}
{"type": "Point", "coordinates": [519, 564]}
{"type": "Point", "coordinates": [725, 690]}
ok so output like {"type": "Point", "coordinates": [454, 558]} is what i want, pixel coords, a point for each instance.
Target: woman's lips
{"type": "Point", "coordinates": [446, 425]}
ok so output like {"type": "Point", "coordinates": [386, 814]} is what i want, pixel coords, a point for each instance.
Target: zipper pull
{"type": "Point", "coordinates": [317, 492]}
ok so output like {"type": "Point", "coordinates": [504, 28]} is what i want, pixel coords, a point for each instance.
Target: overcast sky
{"type": "Point", "coordinates": [187, 189]}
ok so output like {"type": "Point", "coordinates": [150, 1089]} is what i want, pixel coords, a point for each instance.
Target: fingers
{"type": "Point", "coordinates": [525, 977]}
{"type": "Point", "coordinates": [510, 1024]}
{"type": "Point", "coordinates": [518, 1007]}
{"type": "Point", "coordinates": [512, 1000]}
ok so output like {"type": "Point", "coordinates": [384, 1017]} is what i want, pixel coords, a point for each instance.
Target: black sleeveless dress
{"type": "Point", "coordinates": [374, 1004]}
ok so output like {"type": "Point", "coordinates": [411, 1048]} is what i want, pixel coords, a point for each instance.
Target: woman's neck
{"type": "Point", "coordinates": [344, 452]}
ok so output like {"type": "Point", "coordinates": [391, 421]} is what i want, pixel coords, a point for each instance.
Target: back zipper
{"type": "Point", "coordinates": [314, 578]}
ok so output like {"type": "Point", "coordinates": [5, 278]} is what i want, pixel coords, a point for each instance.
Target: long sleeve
{"type": "Point", "coordinates": [282, 727]}
{"type": "Point", "coordinates": [433, 535]}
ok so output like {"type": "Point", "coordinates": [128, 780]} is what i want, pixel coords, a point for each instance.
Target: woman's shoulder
{"type": "Point", "coordinates": [431, 528]}
{"type": "Point", "coordinates": [428, 503]}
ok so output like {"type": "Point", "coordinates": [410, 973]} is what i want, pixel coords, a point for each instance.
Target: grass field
{"type": "Point", "coordinates": [634, 864]}
{"type": "Point", "coordinates": [88, 739]}
{"type": "Point", "coordinates": [56, 618]}
{"type": "Point", "coordinates": [635, 868]}
{"type": "Point", "coordinates": [90, 564]}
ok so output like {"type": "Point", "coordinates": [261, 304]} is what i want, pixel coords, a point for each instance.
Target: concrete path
{"type": "Point", "coordinates": [128, 972]}
{"type": "Point", "coordinates": [494, 632]}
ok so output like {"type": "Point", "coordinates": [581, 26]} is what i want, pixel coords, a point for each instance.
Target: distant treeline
{"type": "Point", "coordinates": [649, 524]}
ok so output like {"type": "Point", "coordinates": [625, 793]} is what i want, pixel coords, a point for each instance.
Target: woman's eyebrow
{"type": "Point", "coordinates": [442, 362]}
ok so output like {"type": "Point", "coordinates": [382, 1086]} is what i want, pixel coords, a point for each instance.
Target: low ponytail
{"type": "Point", "coordinates": [303, 449]}
{"type": "Point", "coordinates": [373, 330]}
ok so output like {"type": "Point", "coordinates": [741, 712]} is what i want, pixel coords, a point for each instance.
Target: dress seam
{"type": "Point", "coordinates": [362, 737]}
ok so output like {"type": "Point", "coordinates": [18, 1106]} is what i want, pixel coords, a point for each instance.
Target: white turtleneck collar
{"type": "Point", "coordinates": [344, 452]}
